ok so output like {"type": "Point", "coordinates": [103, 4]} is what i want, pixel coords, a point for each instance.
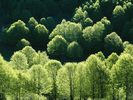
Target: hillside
{"type": "Point", "coordinates": [66, 49]}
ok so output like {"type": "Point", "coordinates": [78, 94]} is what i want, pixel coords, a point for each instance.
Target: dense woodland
{"type": "Point", "coordinates": [66, 49]}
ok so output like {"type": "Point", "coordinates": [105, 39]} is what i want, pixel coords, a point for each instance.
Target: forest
{"type": "Point", "coordinates": [66, 49]}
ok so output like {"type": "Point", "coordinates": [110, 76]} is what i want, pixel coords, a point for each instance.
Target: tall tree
{"type": "Point", "coordinates": [122, 73]}
{"type": "Point", "coordinates": [66, 81]}
{"type": "Point", "coordinates": [97, 77]}
{"type": "Point", "coordinates": [53, 66]}
{"type": "Point", "coordinates": [41, 83]}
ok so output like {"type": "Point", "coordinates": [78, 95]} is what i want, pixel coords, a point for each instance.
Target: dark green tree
{"type": "Point", "coordinates": [16, 32]}
{"type": "Point", "coordinates": [22, 43]}
{"type": "Point", "coordinates": [57, 46]}
{"type": "Point", "coordinates": [74, 50]}
{"type": "Point", "coordinates": [113, 43]}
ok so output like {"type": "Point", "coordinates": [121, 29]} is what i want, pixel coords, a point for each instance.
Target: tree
{"type": "Point", "coordinates": [30, 53]}
{"type": "Point", "coordinates": [21, 85]}
{"type": "Point", "coordinates": [128, 7]}
{"type": "Point", "coordinates": [97, 77]}
{"type": "Point", "coordinates": [41, 83]}
{"type": "Point", "coordinates": [113, 43]}
{"type": "Point", "coordinates": [49, 22]}
{"type": "Point", "coordinates": [22, 43]}
{"type": "Point", "coordinates": [57, 46]}
{"type": "Point", "coordinates": [129, 49]}
{"type": "Point", "coordinates": [19, 61]}
{"type": "Point", "coordinates": [93, 36]}
{"type": "Point", "coordinates": [68, 30]}
{"type": "Point", "coordinates": [118, 18]}
{"type": "Point", "coordinates": [66, 81]}
{"type": "Point", "coordinates": [79, 15]}
{"type": "Point", "coordinates": [74, 50]}
{"type": "Point", "coordinates": [7, 77]}
{"type": "Point", "coordinates": [41, 58]}
{"type": "Point", "coordinates": [127, 31]}
{"type": "Point", "coordinates": [87, 22]}
{"type": "Point", "coordinates": [53, 66]}
{"type": "Point", "coordinates": [16, 32]}
{"type": "Point", "coordinates": [32, 23]}
{"type": "Point", "coordinates": [82, 84]}
{"type": "Point", "coordinates": [111, 60]}
{"type": "Point", "coordinates": [107, 24]}
{"type": "Point", "coordinates": [100, 55]}
{"type": "Point", "coordinates": [40, 36]}
{"type": "Point", "coordinates": [122, 73]}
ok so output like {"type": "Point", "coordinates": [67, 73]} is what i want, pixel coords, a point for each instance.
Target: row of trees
{"type": "Point", "coordinates": [68, 39]}
{"type": "Point", "coordinates": [119, 12]}
{"type": "Point", "coordinates": [86, 33]}
{"type": "Point", "coordinates": [31, 74]}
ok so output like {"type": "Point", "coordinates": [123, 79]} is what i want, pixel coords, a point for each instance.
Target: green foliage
{"type": "Point", "coordinates": [52, 67]}
{"type": "Point", "coordinates": [32, 23]}
{"type": "Point", "coordinates": [69, 30]}
{"type": "Point", "coordinates": [74, 50]}
{"type": "Point", "coordinates": [111, 60]}
{"type": "Point", "coordinates": [41, 83]}
{"type": "Point", "coordinates": [113, 43]}
{"type": "Point", "coordinates": [93, 36]}
{"type": "Point", "coordinates": [39, 37]}
{"type": "Point", "coordinates": [41, 58]}
{"type": "Point", "coordinates": [19, 61]}
{"type": "Point", "coordinates": [30, 53]}
{"type": "Point", "coordinates": [118, 18]}
{"type": "Point", "coordinates": [22, 43]}
{"type": "Point", "coordinates": [97, 77]}
{"type": "Point", "coordinates": [57, 46]}
{"type": "Point", "coordinates": [49, 22]}
{"type": "Point", "coordinates": [100, 55]}
{"type": "Point", "coordinates": [122, 73]}
{"type": "Point", "coordinates": [98, 29]}
{"type": "Point", "coordinates": [15, 32]}
{"type": "Point", "coordinates": [81, 81]}
{"type": "Point", "coordinates": [79, 15]}
{"type": "Point", "coordinates": [66, 80]}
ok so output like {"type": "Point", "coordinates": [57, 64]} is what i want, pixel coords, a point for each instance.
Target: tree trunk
{"type": "Point", "coordinates": [93, 94]}
{"type": "Point", "coordinates": [54, 90]}
{"type": "Point", "coordinates": [113, 94]}
{"type": "Point", "coordinates": [71, 90]}
{"type": "Point", "coordinates": [127, 88]}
